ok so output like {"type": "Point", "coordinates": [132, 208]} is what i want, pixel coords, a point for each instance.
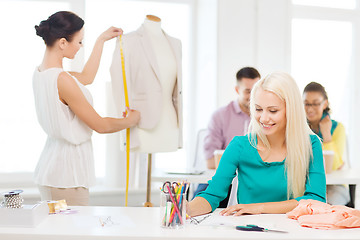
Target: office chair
{"type": "Point", "coordinates": [352, 187]}
{"type": "Point", "coordinates": [200, 161]}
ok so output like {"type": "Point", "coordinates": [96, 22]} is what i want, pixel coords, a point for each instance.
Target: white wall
{"type": "Point", "coordinates": [250, 33]}
{"type": "Point", "coordinates": [236, 46]}
{"type": "Point", "coordinates": [273, 36]}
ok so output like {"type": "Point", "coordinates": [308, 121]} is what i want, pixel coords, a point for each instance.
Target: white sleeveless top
{"type": "Point", "coordinates": [67, 159]}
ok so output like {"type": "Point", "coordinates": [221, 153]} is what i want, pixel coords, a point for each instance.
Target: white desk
{"type": "Point", "coordinates": [143, 223]}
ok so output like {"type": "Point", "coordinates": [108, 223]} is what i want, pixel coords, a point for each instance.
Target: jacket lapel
{"type": "Point", "coordinates": [173, 47]}
{"type": "Point", "coordinates": [146, 44]}
{"type": "Point", "coordinates": [175, 52]}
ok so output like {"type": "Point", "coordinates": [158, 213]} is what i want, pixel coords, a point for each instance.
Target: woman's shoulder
{"type": "Point", "coordinates": [240, 141]}
{"type": "Point", "coordinates": [47, 72]}
{"type": "Point", "coordinates": [239, 146]}
{"type": "Point", "coordinates": [47, 76]}
{"type": "Point", "coordinates": [241, 138]}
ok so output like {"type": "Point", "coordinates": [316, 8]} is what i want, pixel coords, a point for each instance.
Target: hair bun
{"type": "Point", "coordinates": [43, 28]}
{"type": "Point", "coordinates": [61, 24]}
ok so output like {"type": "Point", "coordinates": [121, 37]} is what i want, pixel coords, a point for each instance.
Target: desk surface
{"type": "Point", "coordinates": [143, 223]}
{"type": "Point", "coordinates": [346, 176]}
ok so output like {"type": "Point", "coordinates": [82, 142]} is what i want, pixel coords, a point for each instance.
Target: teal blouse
{"type": "Point", "coordinates": [259, 181]}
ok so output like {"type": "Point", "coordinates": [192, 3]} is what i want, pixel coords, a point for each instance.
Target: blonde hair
{"type": "Point", "coordinates": [297, 136]}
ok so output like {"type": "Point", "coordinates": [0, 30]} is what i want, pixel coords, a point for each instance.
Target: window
{"type": "Point", "coordinates": [324, 49]}
{"type": "Point", "coordinates": [345, 4]}
{"type": "Point", "coordinates": [321, 52]}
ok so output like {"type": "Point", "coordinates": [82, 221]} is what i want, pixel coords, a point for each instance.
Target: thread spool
{"type": "Point", "coordinates": [12, 199]}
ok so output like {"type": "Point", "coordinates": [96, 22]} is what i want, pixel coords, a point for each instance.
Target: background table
{"type": "Point", "coordinates": [346, 176]}
{"type": "Point", "coordinates": [144, 223]}
{"type": "Point", "coordinates": [161, 176]}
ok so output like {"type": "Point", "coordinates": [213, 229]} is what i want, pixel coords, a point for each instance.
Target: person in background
{"type": "Point", "coordinates": [278, 163]}
{"type": "Point", "coordinates": [332, 134]}
{"type": "Point", "coordinates": [64, 109]}
{"type": "Point", "coordinates": [230, 121]}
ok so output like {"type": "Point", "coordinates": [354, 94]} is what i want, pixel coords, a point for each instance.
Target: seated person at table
{"type": "Point", "coordinates": [229, 121]}
{"type": "Point", "coordinates": [279, 163]}
{"type": "Point", "coordinates": [332, 134]}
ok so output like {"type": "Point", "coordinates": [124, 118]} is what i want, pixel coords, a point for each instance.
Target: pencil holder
{"type": "Point", "coordinates": [172, 209]}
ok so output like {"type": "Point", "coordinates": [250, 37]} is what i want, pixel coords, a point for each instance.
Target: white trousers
{"type": "Point", "coordinates": [74, 196]}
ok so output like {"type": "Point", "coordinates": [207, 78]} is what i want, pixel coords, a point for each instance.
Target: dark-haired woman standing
{"type": "Point", "coordinates": [332, 134]}
{"type": "Point", "coordinates": [64, 108]}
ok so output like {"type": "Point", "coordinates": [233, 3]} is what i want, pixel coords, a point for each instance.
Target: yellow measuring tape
{"type": "Point", "coordinates": [128, 129]}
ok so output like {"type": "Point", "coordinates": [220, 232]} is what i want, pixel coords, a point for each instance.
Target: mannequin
{"type": "Point", "coordinates": [164, 137]}
{"type": "Point", "coordinates": [153, 73]}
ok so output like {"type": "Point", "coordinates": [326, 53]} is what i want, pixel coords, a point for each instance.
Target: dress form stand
{"type": "Point", "coordinates": [164, 137]}
{"type": "Point", "coordinates": [148, 182]}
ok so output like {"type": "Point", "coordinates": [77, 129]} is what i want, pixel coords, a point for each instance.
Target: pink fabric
{"type": "Point", "coordinates": [316, 214]}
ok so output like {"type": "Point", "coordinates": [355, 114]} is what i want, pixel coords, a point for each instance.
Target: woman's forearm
{"type": "Point", "coordinates": [279, 207]}
{"type": "Point", "coordinates": [259, 208]}
{"type": "Point", "coordinates": [198, 206]}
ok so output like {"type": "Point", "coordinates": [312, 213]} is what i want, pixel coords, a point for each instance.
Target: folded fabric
{"type": "Point", "coordinates": [316, 214]}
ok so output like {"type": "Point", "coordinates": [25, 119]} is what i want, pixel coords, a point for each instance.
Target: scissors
{"type": "Point", "coordinates": [256, 228]}
{"type": "Point", "coordinates": [172, 187]}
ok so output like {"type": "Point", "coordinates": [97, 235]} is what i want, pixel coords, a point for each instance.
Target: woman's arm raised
{"type": "Point", "coordinates": [91, 67]}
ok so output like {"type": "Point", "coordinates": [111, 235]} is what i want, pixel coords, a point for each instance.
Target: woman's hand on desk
{"type": "Point", "coordinates": [259, 208]}
{"type": "Point", "coordinates": [240, 209]}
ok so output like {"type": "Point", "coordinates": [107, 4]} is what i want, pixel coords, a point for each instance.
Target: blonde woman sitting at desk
{"type": "Point", "coordinates": [332, 134]}
{"type": "Point", "coordinates": [276, 161]}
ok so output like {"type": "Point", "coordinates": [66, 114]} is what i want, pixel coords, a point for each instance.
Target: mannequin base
{"type": "Point", "coordinates": [148, 204]}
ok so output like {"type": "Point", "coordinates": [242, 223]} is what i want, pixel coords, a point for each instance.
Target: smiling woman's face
{"type": "Point", "coordinates": [270, 112]}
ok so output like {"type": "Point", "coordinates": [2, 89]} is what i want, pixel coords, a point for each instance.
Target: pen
{"type": "Point", "coordinates": [101, 222]}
